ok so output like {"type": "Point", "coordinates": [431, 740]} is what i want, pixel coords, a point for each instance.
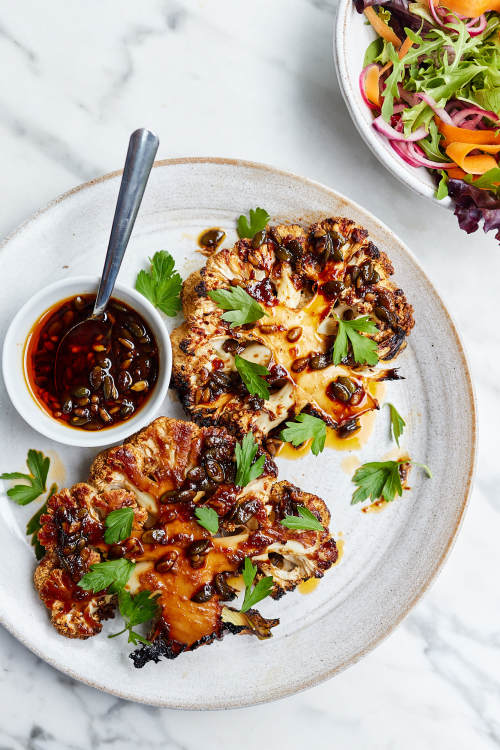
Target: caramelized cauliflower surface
{"type": "Point", "coordinates": [164, 473]}
{"type": "Point", "coordinates": [303, 279]}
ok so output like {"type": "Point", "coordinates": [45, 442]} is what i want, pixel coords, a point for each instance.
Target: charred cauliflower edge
{"type": "Point", "coordinates": [163, 473]}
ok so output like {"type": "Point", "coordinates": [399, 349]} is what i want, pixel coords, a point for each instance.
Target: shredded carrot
{"type": "Point", "coordinates": [405, 47]}
{"type": "Point", "coordinates": [372, 88]}
{"type": "Point", "coordinates": [471, 8]}
{"type": "Point", "coordinates": [477, 164]}
{"type": "Point", "coordinates": [456, 173]}
{"type": "Point", "coordinates": [463, 135]}
{"type": "Point", "coordinates": [382, 28]}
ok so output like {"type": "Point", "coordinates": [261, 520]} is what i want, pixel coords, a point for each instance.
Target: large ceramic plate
{"type": "Point", "coordinates": [389, 558]}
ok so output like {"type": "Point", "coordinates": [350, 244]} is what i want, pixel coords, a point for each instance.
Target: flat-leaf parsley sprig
{"type": "Point", "coordinates": [364, 349]}
{"type": "Point", "coordinates": [381, 480]}
{"type": "Point", "coordinates": [253, 375]}
{"type": "Point", "coordinates": [305, 521]}
{"type": "Point", "coordinates": [304, 428]}
{"type": "Point", "coordinates": [397, 423]}
{"type": "Point", "coordinates": [38, 466]}
{"type": "Point", "coordinates": [113, 575]}
{"type": "Point", "coordinates": [259, 219]}
{"type": "Point", "coordinates": [162, 284]}
{"type": "Point", "coordinates": [254, 594]}
{"type": "Point", "coordinates": [240, 307]}
{"type": "Point", "coordinates": [246, 468]}
{"type": "Point", "coordinates": [136, 610]}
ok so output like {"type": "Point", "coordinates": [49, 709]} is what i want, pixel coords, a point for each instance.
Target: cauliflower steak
{"type": "Point", "coordinates": [164, 473]}
{"type": "Point", "coordinates": [304, 280]}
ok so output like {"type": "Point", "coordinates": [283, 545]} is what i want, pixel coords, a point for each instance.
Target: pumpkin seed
{"type": "Point", "coordinates": [283, 253]}
{"type": "Point", "coordinates": [259, 239]}
{"type": "Point", "coordinates": [300, 364]}
{"type": "Point", "coordinates": [96, 376]}
{"type": "Point", "coordinates": [223, 589]}
{"type": "Point", "coordinates": [167, 562]}
{"type": "Point", "coordinates": [140, 385]}
{"type": "Point", "coordinates": [203, 594]}
{"type": "Point", "coordinates": [127, 343]}
{"type": "Point", "coordinates": [320, 361]}
{"type": "Point", "coordinates": [81, 392]}
{"type": "Point", "coordinates": [214, 470]}
{"type": "Point", "coordinates": [79, 421]}
{"type": "Point", "coordinates": [294, 334]}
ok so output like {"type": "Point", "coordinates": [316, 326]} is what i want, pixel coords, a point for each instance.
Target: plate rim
{"type": "Point", "coordinates": [328, 672]}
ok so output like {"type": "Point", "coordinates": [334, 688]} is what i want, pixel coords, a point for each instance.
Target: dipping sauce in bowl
{"type": "Point", "coordinates": [104, 381]}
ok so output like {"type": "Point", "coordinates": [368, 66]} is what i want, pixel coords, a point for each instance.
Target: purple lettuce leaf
{"type": "Point", "coordinates": [472, 205]}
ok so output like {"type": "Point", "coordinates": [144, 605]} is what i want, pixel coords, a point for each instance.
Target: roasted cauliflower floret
{"type": "Point", "coordinates": [72, 532]}
{"type": "Point", "coordinates": [165, 473]}
{"type": "Point", "coordinates": [304, 279]}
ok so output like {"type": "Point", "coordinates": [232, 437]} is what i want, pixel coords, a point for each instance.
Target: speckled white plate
{"type": "Point", "coordinates": [389, 558]}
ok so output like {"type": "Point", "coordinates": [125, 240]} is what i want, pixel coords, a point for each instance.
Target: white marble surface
{"type": "Point", "coordinates": [255, 80]}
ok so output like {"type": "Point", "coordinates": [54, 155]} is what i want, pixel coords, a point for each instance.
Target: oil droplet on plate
{"type": "Point", "coordinates": [349, 464]}
{"type": "Point", "coordinates": [307, 587]}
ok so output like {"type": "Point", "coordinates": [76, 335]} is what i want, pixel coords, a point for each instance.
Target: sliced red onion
{"type": "Point", "coordinates": [474, 109]}
{"type": "Point", "coordinates": [418, 155]}
{"type": "Point", "coordinates": [435, 14]}
{"type": "Point", "coordinates": [382, 127]}
{"type": "Point", "coordinates": [401, 148]}
{"type": "Point", "coordinates": [440, 111]}
{"type": "Point", "coordinates": [476, 25]}
{"type": "Point", "coordinates": [362, 77]}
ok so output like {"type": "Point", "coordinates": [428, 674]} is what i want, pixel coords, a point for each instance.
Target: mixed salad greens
{"type": "Point", "coordinates": [432, 77]}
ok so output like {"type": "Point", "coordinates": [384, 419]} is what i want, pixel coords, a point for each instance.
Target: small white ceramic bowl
{"type": "Point", "coordinates": [352, 37]}
{"type": "Point", "coordinates": [14, 367]}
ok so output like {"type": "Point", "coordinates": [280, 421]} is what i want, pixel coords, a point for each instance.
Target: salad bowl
{"type": "Point", "coordinates": [352, 36]}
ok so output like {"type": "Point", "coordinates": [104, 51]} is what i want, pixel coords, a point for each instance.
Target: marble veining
{"type": "Point", "coordinates": [256, 81]}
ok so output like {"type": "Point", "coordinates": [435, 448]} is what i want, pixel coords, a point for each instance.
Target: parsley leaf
{"type": "Point", "coordinates": [245, 452]}
{"type": "Point", "coordinates": [305, 520]}
{"type": "Point", "coordinates": [118, 525]}
{"type": "Point", "coordinates": [251, 373]}
{"type": "Point", "coordinates": [397, 423]}
{"type": "Point", "coordinates": [305, 427]}
{"type": "Point", "coordinates": [112, 573]}
{"type": "Point", "coordinates": [135, 610]}
{"type": "Point", "coordinates": [208, 518]}
{"type": "Point", "coordinates": [258, 221]}
{"type": "Point", "coordinates": [258, 592]}
{"type": "Point", "coordinates": [364, 349]}
{"type": "Point", "coordinates": [381, 479]}
{"type": "Point", "coordinates": [377, 479]}
{"type": "Point", "coordinates": [242, 308]}
{"type": "Point", "coordinates": [38, 465]}
{"type": "Point", "coordinates": [33, 526]}
{"type": "Point", "coordinates": [161, 285]}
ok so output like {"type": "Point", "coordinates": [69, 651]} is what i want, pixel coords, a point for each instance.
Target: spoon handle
{"type": "Point", "coordinates": [142, 149]}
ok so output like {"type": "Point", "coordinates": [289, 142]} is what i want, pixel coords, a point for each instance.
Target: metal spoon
{"type": "Point", "coordinates": [142, 149]}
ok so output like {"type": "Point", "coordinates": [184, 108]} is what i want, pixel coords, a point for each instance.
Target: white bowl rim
{"type": "Point", "coordinates": [405, 174]}
{"type": "Point", "coordinates": [15, 382]}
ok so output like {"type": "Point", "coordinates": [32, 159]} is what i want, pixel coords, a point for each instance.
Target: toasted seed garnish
{"type": "Point", "coordinates": [81, 392]}
{"type": "Point", "coordinates": [166, 562]}
{"type": "Point", "coordinates": [141, 385]}
{"type": "Point", "coordinates": [294, 334]}
{"type": "Point", "coordinates": [96, 376]}
{"type": "Point", "coordinates": [203, 594]}
{"type": "Point", "coordinates": [105, 416]}
{"type": "Point", "coordinates": [127, 343]}
{"type": "Point", "coordinates": [300, 364]}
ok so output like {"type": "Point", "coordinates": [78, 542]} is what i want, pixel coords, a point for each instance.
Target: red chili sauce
{"type": "Point", "coordinates": [105, 381]}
